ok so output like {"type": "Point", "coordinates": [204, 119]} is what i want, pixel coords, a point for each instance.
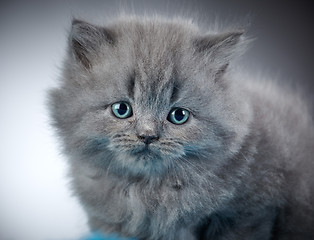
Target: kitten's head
{"type": "Point", "coordinates": [143, 96]}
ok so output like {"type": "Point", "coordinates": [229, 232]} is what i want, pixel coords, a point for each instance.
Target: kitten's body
{"type": "Point", "coordinates": [240, 168]}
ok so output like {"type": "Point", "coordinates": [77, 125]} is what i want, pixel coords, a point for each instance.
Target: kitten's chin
{"type": "Point", "coordinates": [143, 160]}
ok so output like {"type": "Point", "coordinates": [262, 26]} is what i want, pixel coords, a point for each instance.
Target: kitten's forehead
{"type": "Point", "coordinates": [156, 56]}
{"type": "Point", "coordinates": [153, 88]}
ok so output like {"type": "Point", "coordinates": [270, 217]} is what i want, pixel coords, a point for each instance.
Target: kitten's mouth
{"type": "Point", "coordinates": [145, 151]}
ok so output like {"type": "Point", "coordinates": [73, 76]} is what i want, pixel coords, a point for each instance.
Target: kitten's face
{"type": "Point", "coordinates": [145, 99]}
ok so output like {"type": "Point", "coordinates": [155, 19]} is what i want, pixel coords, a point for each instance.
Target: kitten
{"type": "Point", "coordinates": [165, 142]}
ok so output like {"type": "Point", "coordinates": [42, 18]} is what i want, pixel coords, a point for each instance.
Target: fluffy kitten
{"type": "Point", "coordinates": [165, 142]}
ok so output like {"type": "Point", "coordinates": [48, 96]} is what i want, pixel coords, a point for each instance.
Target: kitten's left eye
{"type": "Point", "coordinates": [178, 116]}
{"type": "Point", "coordinates": [121, 109]}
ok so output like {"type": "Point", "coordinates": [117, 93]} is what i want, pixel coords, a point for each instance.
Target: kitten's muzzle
{"type": "Point", "coordinates": [148, 139]}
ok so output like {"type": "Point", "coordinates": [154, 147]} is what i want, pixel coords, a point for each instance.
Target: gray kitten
{"type": "Point", "coordinates": [165, 142]}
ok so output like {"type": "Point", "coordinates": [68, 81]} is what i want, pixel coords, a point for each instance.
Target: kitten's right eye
{"type": "Point", "coordinates": [122, 110]}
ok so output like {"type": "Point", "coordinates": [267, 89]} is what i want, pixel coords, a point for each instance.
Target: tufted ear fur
{"type": "Point", "coordinates": [219, 49]}
{"type": "Point", "coordinates": [86, 39]}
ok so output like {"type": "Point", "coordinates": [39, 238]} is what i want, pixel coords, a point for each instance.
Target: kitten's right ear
{"type": "Point", "coordinates": [86, 39]}
{"type": "Point", "coordinates": [219, 49]}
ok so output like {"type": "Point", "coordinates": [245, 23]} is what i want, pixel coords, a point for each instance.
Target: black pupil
{"type": "Point", "coordinates": [122, 109]}
{"type": "Point", "coordinates": [179, 115]}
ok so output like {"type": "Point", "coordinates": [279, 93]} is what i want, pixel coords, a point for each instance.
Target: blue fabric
{"type": "Point", "coordinates": [100, 236]}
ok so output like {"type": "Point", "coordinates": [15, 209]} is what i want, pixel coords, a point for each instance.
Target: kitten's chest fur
{"type": "Point", "coordinates": [161, 209]}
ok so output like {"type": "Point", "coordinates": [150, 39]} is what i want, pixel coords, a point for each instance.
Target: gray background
{"type": "Point", "coordinates": [35, 202]}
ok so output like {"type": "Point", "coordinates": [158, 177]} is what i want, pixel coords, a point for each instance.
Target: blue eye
{"type": "Point", "coordinates": [121, 110]}
{"type": "Point", "coordinates": [178, 116]}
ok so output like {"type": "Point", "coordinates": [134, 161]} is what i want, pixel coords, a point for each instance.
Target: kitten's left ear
{"type": "Point", "coordinates": [86, 40]}
{"type": "Point", "coordinates": [219, 49]}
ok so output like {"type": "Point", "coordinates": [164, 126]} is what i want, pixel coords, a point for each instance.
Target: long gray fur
{"type": "Point", "coordinates": [240, 168]}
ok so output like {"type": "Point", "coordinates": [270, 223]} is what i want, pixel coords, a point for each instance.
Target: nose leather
{"type": "Point", "coordinates": [148, 139]}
